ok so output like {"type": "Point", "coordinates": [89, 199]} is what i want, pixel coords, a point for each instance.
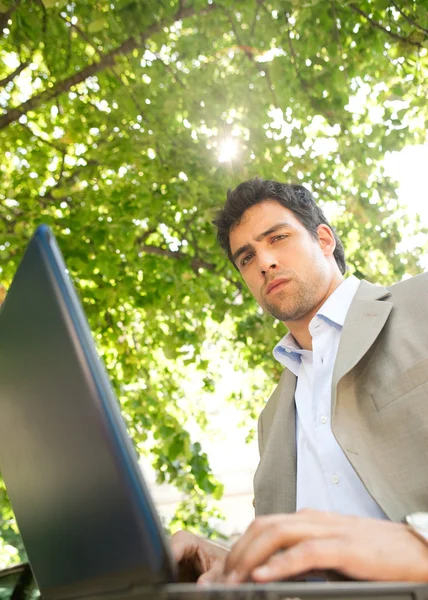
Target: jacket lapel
{"type": "Point", "coordinates": [364, 322]}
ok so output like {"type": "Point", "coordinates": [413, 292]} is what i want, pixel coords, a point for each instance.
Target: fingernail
{"type": "Point", "coordinates": [261, 571]}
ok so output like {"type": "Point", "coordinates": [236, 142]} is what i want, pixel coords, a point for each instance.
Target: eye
{"type": "Point", "coordinates": [281, 236]}
{"type": "Point", "coordinates": [246, 259]}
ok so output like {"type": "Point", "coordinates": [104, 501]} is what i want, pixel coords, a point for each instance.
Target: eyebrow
{"type": "Point", "coordinates": [259, 238]}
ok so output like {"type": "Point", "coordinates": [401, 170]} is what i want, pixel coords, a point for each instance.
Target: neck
{"type": "Point", "coordinates": [299, 328]}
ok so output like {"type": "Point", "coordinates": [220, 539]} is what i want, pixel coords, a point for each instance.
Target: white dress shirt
{"type": "Point", "coordinates": [326, 479]}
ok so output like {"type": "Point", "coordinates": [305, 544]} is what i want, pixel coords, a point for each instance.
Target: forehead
{"type": "Point", "coordinates": [258, 219]}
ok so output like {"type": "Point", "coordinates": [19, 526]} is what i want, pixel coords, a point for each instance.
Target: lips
{"type": "Point", "coordinates": [275, 283]}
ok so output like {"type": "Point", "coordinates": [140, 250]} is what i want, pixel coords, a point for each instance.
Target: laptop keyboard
{"type": "Point", "coordinates": [290, 591]}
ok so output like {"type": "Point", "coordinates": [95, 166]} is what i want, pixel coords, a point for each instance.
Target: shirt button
{"type": "Point", "coordinates": [323, 420]}
{"type": "Point", "coordinates": [335, 479]}
{"type": "Point", "coordinates": [322, 360]}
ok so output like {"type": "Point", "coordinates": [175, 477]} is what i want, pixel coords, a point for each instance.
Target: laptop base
{"type": "Point", "coordinates": [278, 591]}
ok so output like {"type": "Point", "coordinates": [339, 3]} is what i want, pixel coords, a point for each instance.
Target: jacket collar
{"type": "Point", "coordinates": [365, 320]}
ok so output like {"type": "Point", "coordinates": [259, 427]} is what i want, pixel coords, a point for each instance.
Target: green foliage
{"type": "Point", "coordinates": [194, 515]}
{"type": "Point", "coordinates": [11, 548]}
{"type": "Point", "coordinates": [113, 114]}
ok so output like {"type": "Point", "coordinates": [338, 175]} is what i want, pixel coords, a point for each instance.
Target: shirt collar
{"type": "Point", "coordinates": [288, 353]}
{"type": "Point", "coordinates": [335, 308]}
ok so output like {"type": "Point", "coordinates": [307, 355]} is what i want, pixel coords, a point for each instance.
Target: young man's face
{"type": "Point", "coordinates": [286, 269]}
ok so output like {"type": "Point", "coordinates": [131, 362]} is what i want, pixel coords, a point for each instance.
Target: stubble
{"type": "Point", "coordinates": [298, 298]}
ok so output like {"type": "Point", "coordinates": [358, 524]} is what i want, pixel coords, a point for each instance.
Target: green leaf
{"type": "Point", "coordinates": [97, 25]}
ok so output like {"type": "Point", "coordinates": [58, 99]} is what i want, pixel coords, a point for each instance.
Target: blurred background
{"type": "Point", "coordinates": [122, 125]}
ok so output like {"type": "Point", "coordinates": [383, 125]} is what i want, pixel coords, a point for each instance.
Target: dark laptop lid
{"type": "Point", "coordinates": [83, 510]}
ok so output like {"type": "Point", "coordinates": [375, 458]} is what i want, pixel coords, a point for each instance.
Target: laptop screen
{"type": "Point", "coordinates": [83, 510]}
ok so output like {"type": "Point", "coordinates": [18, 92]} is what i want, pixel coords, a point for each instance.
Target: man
{"type": "Point", "coordinates": [344, 437]}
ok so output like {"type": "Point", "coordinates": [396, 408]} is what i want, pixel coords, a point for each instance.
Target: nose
{"type": "Point", "coordinates": [267, 263]}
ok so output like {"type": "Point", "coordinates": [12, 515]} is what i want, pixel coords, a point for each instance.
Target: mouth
{"type": "Point", "coordinates": [276, 284]}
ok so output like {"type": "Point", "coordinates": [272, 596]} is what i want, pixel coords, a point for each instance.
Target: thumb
{"type": "Point", "coordinates": [214, 575]}
{"type": "Point", "coordinates": [183, 545]}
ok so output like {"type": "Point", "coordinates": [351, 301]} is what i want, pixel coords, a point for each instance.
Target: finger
{"type": "Point", "coordinates": [257, 552]}
{"type": "Point", "coordinates": [249, 542]}
{"type": "Point", "coordinates": [294, 527]}
{"type": "Point", "coordinates": [214, 575]}
{"type": "Point", "coordinates": [183, 545]}
{"type": "Point", "coordinates": [313, 554]}
{"type": "Point", "coordinates": [267, 524]}
{"type": "Point", "coordinates": [268, 536]}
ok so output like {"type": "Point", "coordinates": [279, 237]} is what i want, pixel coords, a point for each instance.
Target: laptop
{"type": "Point", "coordinates": [84, 512]}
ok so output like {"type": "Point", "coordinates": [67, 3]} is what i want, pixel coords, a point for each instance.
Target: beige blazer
{"type": "Point", "coordinates": [379, 407]}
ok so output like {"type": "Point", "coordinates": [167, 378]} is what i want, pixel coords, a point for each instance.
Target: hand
{"type": "Point", "coordinates": [287, 545]}
{"type": "Point", "coordinates": [198, 559]}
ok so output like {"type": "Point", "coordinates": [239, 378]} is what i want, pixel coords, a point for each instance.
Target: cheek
{"type": "Point", "coordinates": [253, 286]}
{"type": "Point", "coordinates": [309, 255]}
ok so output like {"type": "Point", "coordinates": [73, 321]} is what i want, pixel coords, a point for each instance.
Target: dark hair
{"type": "Point", "coordinates": [292, 196]}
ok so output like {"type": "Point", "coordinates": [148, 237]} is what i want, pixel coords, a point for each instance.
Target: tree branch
{"type": "Point", "coordinates": [196, 263]}
{"type": "Point", "coordinates": [271, 85]}
{"type": "Point", "coordinates": [61, 171]}
{"type": "Point", "coordinates": [107, 60]}
{"type": "Point", "coordinates": [249, 54]}
{"type": "Point", "coordinates": [304, 84]}
{"type": "Point", "coordinates": [170, 71]}
{"type": "Point", "coordinates": [294, 62]}
{"type": "Point", "coordinates": [45, 19]}
{"type": "Point", "coordinates": [97, 50]}
{"type": "Point", "coordinates": [69, 50]}
{"type": "Point", "coordinates": [4, 18]}
{"type": "Point", "coordinates": [407, 18]}
{"type": "Point", "coordinates": [336, 33]}
{"type": "Point", "coordinates": [256, 14]}
{"type": "Point", "coordinates": [15, 73]}
{"type": "Point", "coordinates": [143, 237]}
{"type": "Point", "coordinates": [392, 34]}
{"type": "Point", "coordinates": [82, 34]}
{"type": "Point", "coordinates": [67, 181]}
{"type": "Point", "coordinates": [42, 139]}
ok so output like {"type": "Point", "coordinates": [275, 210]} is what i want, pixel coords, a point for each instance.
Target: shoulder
{"type": "Point", "coordinates": [407, 292]}
{"type": "Point", "coordinates": [411, 285]}
{"type": "Point", "coordinates": [410, 296]}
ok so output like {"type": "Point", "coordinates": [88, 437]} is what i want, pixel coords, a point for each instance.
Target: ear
{"type": "Point", "coordinates": [326, 239]}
